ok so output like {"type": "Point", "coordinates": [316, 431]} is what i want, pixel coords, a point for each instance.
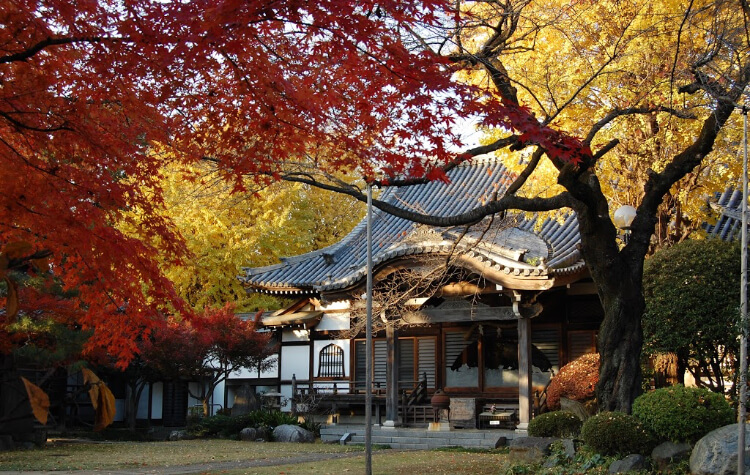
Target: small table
{"type": "Point", "coordinates": [496, 420]}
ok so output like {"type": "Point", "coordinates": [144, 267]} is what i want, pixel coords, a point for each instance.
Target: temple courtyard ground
{"type": "Point", "coordinates": [214, 456]}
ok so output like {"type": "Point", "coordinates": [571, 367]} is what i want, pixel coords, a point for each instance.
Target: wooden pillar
{"type": "Point", "coordinates": [391, 377]}
{"type": "Point", "coordinates": [525, 400]}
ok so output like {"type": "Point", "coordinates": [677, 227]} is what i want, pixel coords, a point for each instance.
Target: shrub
{"type": "Point", "coordinates": [616, 433]}
{"type": "Point", "coordinates": [226, 426]}
{"type": "Point", "coordinates": [555, 424]}
{"type": "Point", "coordinates": [691, 309]}
{"type": "Point", "coordinates": [682, 414]}
{"type": "Point", "coordinates": [576, 380]}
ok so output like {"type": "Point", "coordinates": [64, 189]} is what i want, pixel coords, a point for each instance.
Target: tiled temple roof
{"type": "Point", "coordinates": [520, 250]}
{"type": "Point", "coordinates": [729, 223]}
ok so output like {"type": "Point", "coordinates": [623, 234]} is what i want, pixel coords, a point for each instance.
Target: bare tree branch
{"type": "Point", "coordinates": [46, 43]}
{"type": "Point", "coordinates": [632, 111]}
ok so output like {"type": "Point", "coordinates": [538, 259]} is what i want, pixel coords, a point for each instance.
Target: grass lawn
{"type": "Point", "coordinates": [142, 455]}
{"type": "Point", "coordinates": [132, 455]}
{"type": "Point", "coordinates": [396, 462]}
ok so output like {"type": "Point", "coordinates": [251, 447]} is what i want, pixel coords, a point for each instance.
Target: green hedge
{"type": "Point", "coordinates": [682, 414]}
{"type": "Point", "coordinates": [616, 433]}
{"type": "Point", "coordinates": [226, 426]}
{"type": "Point", "coordinates": [555, 424]}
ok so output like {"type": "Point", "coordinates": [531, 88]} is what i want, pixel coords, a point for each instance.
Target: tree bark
{"type": "Point", "coordinates": [618, 274]}
{"type": "Point", "coordinates": [620, 341]}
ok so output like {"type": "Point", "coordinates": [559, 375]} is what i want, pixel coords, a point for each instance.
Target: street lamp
{"type": "Point", "coordinates": [623, 218]}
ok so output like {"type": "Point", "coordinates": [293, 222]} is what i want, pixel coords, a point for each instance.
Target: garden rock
{"type": "Point", "coordinates": [569, 445]}
{"type": "Point", "coordinates": [180, 435]}
{"type": "Point", "coordinates": [261, 433]}
{"type": "Point", "coordinates": [248, 434]}
{"type": "Point", "coordinates": [669, 452]}
{"type": "Point", "coordinates": [716, 452]}
{"type": "Point", "coordinates": [244, 401]}
{"type": "Point", "coordinates": [292, 433]}
{"type": "Point", "coordinates": [575, 407]}
{"type": "Point", "coordinates": [629, 463]}
{"type": "Point", "coordinates": [531, 449]}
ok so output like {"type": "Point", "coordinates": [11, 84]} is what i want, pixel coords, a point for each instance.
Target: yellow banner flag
{"type": "Point", "coordinates": [38, 399]}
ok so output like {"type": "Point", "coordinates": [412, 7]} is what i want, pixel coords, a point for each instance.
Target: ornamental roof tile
{"type": "Point", "coordinates": [518, 246]}
{"type": "Point", "coordinates": [729, 223]}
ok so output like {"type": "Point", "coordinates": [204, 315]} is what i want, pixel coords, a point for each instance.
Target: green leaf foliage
{"type": "Point", "coordinates": [555, 424]}
{"type": "Point", "coordinates": [681, 414]}
{"type": "Point", "coordinates": [230, 426]}
{"type": "Point", "coordinates": [616, 433]}
{"type": "Point", "coordinates": [692, 300]}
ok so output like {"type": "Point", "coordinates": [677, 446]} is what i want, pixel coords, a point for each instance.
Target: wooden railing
{"type": "Point", "coordinates": [413, 408]}
{"type": "Point", "coordinates": [334, 387]}
{"type": "Point", "coordinates": [419, 414]}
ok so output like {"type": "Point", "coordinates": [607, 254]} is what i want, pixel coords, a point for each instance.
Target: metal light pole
{"type": "Point", "coordinates": [743, 310]}
{"type": "Point", "coordinates": [368, 341]}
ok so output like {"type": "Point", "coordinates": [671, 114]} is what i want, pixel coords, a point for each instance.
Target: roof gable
{"type": "Point", "coordinates": [514, 249]}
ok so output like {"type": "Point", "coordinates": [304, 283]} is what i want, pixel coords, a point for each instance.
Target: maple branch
{"type": "Point", "coordinates": [504, 29]}
{"type": "Point", "coordinates": [527, 171]}
{"type": "Point", "coordinates": [459, 159]}
{"type": "Point", "coordinates": [609, 146]}
{"type": "Point", "coordinates": [612, 115]}
{"type": "Point", "coordinates": [703, 82]}
{"type": "Point", "coordinates": [47, 42]}
{"type": "Point", "coordinates": [658, 184]}
{"type": "Point", "coordinates": [21, 125]}
{"type": "Point", "coordinates": [33, 165]}
{"type": "Point", "coordinates": [679, 39]}
{"type": "Point", "coordinates": [20, 262]}
{"type": "Point", "coordinates": [507, 202]}
{"type": "Point", "coordinates": [583, 86]}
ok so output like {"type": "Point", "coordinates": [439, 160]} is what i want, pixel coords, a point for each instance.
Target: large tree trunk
{"type": "Point", "coordinates": [618, 274]}
{"type": "Point", "coordinates": [620, 341]}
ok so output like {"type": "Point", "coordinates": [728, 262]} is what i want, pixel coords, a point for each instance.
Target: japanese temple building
{"type": "Point", "coordinates": [512, 304]}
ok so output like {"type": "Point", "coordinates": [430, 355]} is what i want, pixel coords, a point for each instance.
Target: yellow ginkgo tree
{"type": "Point", "coordinates": [611, 73]}
{"type": "Point", "coordinates": [594, 104]}
{"type": "Point", "coordinates": [225, 230]}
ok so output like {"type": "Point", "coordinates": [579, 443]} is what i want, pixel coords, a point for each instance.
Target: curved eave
{"type": "Point", "coordinates": [494, 267]}
{"type": "Point", "coordinates": [304, 319]}
{"type": "Point", "coordinates": [277, 290]}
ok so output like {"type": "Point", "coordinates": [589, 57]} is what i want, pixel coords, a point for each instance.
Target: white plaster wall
{"type": "Point", "coordinates": [343, 344]}
{"type": "Point", "coordinates": [245, 373]}
{"type": "Point", "coordinates": [286, 401]}
{"type": "Point", "coordinates": [295, 360]}
{"type": "Point", "coordinates": [218, 397]}
{"type": "Point", "coordinates": [143, 403]}
{"type": "Point", "coordinates": [337, 305]}
{"type": "Point", "coordinates": [295, 335]}
{"type": "Point", "coordinates": [273, 370]}
{"type": "Point", "coordinates": [333, 321]}
{"type": "Point", "coordinates": [157, 399]}
{"type": "Point", "coordinates": [119, 410]}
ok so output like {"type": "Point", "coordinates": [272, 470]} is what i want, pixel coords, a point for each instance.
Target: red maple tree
{"type": "Point", "coordinates": [207, 350]}
{"type": "Point", "coordinates": [89, 87]}
{"type": "Point", "coordinates": [278, 88]}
